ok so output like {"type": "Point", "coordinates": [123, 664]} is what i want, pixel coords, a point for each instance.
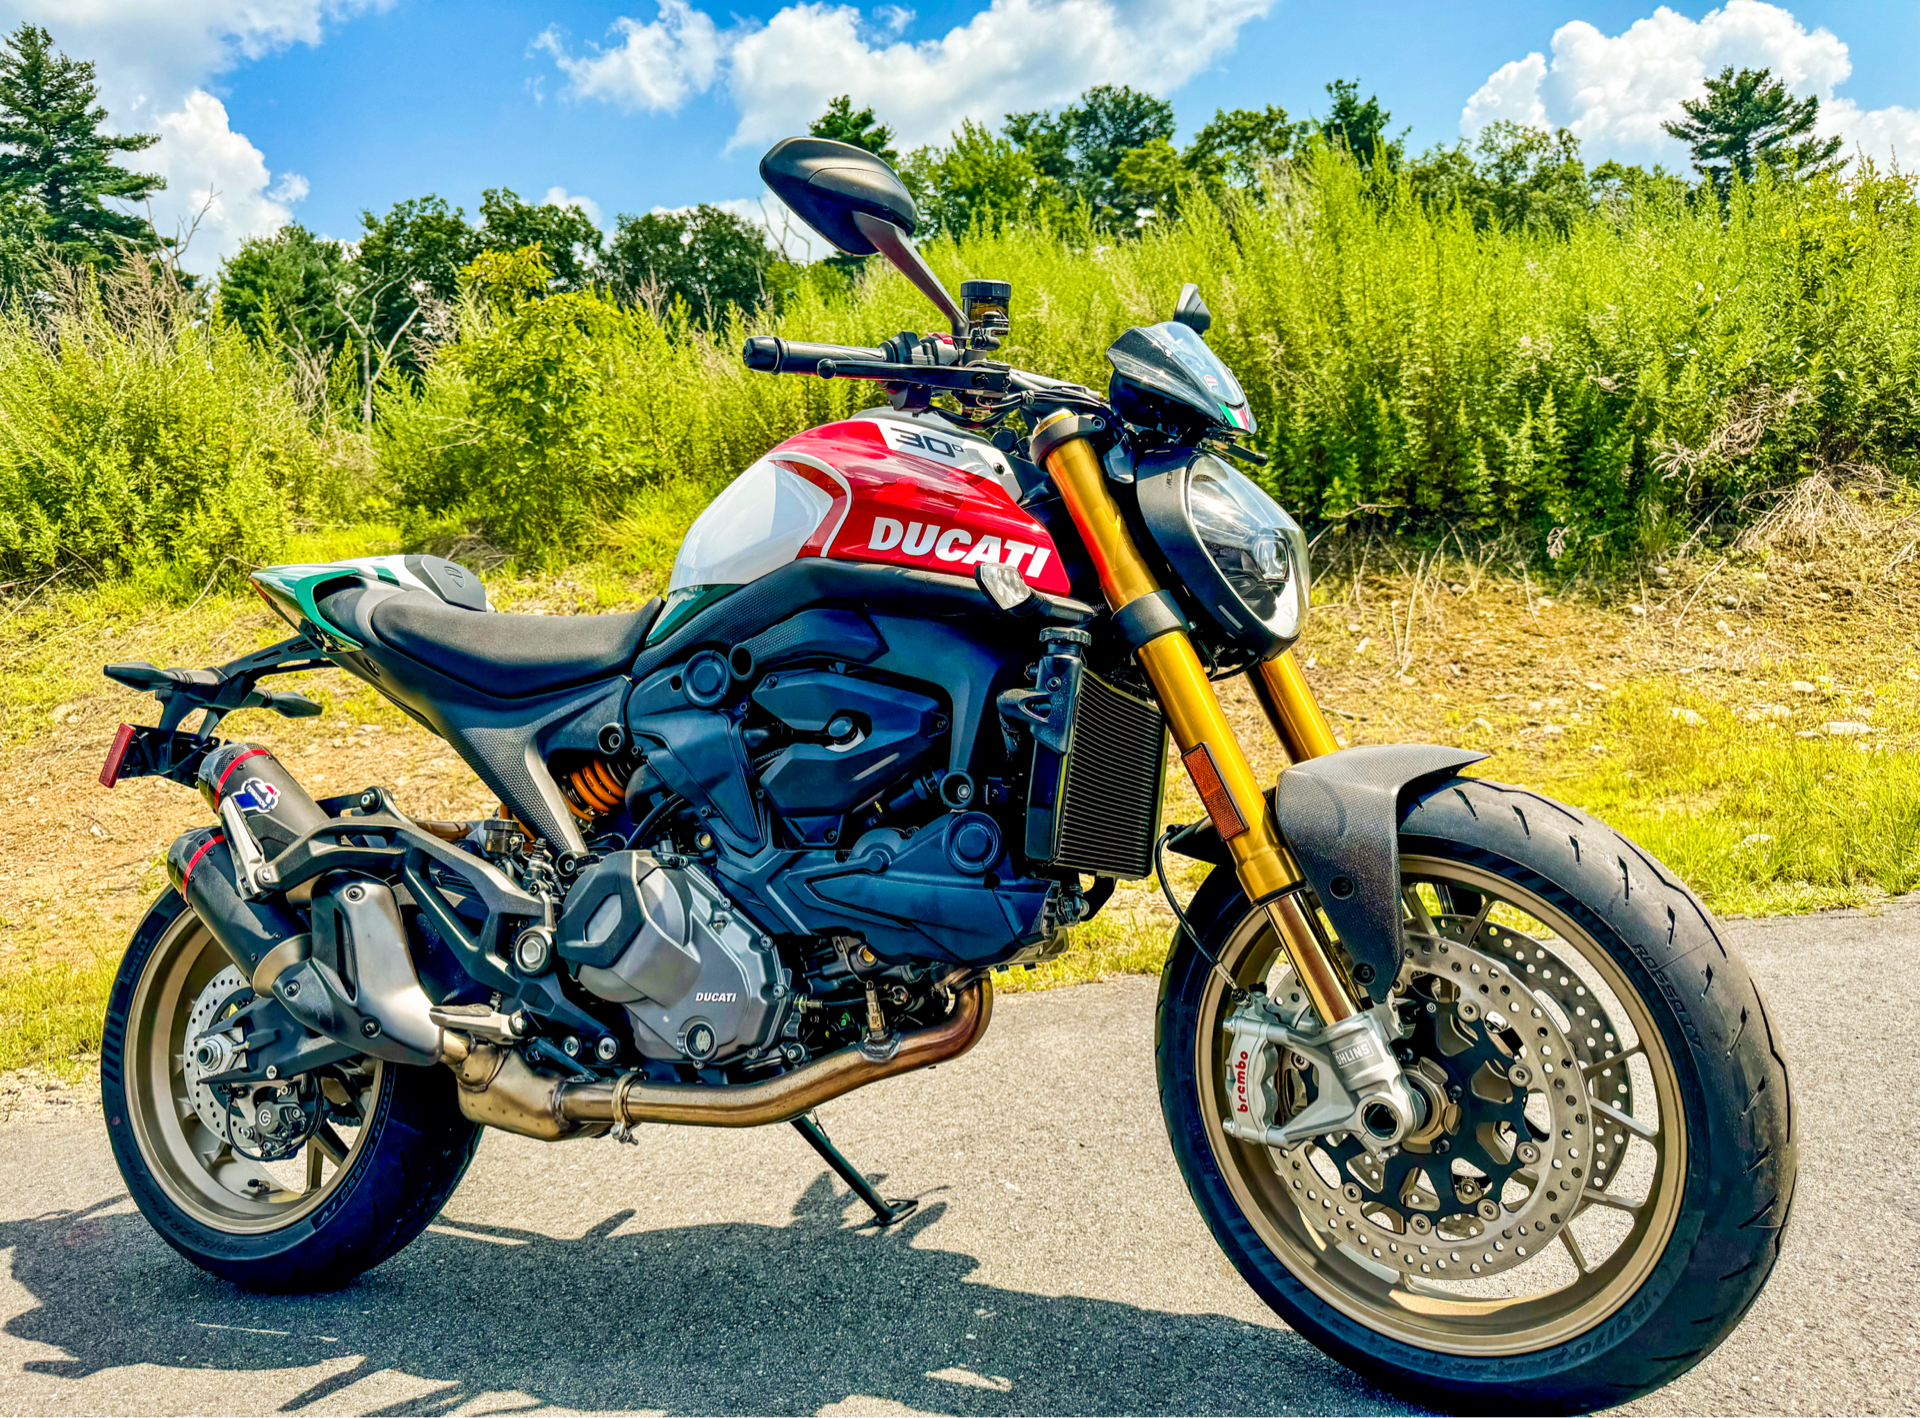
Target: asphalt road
{"type": "Point", "coordinates": [1056, 1264]}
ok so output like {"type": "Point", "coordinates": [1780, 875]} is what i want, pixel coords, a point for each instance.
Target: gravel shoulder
{"type": "Point", "coordinates": [1055, 1266]}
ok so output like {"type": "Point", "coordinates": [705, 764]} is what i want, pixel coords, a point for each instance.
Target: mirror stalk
{"type": "Point", "coordinates": [892, 243]}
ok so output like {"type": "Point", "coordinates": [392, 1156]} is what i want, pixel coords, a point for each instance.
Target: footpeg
{"type": "Point", "coordinates": [480, 1021]}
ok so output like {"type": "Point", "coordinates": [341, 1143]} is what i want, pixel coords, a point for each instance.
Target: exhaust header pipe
{"type": "Point", "coordinates": [499, 1089]}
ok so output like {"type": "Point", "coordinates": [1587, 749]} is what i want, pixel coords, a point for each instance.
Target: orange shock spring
{"type": "Point", "coordinates": [596, 789]}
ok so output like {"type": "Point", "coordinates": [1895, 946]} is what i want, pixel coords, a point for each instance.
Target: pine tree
{"type": "Point", "coordinates": [1361, 127]}
{"type": "Point", "coordinates": [861, 129]}
{"type": "Point", "coordinates": [53, 153]}
{"type": "Point", "coordinates": [1749, 120]}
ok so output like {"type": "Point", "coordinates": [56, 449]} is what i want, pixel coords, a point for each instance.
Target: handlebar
{"type": "Point", "coordinates": [933, 363]}
{"type": "Point", "coordinates": [776, 356]}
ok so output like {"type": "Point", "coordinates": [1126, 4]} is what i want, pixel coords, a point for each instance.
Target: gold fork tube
{"type": "Point", "coordinates": [1297, 718]}
{"type": "Point", "coordinates": [1261, 860]}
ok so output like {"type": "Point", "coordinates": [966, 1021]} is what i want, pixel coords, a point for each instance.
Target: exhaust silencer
{"type": "Point", "coordinates": [350, 979]}
{"type": "Point", "coordinates": [277, 809]}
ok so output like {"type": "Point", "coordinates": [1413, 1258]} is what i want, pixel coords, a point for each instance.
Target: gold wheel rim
{"type": "Point", "coordinates": [1442, 1319]}
{"type": "Point", "coordinates": [199, 1173]}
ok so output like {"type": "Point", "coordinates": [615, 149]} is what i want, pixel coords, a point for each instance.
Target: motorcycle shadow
{"type": "Point", "coordinates": [728, 1317]}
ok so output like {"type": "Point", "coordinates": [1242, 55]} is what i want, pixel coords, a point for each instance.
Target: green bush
{"type": "Point", "coordinates": [1598, 392]}
{"type": "Point", "coordinates": [133, 434]}
{"type": "Point", "coordinates": [547, 418]}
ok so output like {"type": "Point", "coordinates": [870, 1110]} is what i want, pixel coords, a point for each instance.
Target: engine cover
{"type": "Point", "coordinates": [870, 735]}
{"type": "Point", "coordinates": [700, 983]}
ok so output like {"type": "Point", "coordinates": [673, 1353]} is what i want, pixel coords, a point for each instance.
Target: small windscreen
{"type": "Point", "coordinates": [1171, 359]}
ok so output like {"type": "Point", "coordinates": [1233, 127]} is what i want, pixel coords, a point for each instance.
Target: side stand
{"type": "Point", "coordinates": [885, 1212]}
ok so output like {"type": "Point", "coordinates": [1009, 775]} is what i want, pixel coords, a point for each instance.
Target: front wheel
{"type": "Point", "coordinates": [374, 1152]}
{"type": "Point", "coordinates": [1600, 1183]}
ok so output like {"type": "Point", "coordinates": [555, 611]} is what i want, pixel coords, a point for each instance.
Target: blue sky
{"type": "Point", "coordinates": [315, 109]}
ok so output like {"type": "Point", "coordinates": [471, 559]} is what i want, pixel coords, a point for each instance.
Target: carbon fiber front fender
{"type": "Point", "coordinates": [1340, 815]}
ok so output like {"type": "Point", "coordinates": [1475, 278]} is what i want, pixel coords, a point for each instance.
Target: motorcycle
{"type": "Point", "coordinates": [1466, 1085]}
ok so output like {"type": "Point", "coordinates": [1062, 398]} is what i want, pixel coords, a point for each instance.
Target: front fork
{"type": "Point", "coordinates": [1218, 766]}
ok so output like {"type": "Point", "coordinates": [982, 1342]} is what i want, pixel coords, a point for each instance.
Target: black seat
{"type": "Point", "coordinates": [511, 656]}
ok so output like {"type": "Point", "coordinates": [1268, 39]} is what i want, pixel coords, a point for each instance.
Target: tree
{"type": "Point", "coordinates": [1749, 120]}
{"type": "Point", "coordinates": [707, 257]}
{"type": "Point", "coordinates": [980, 178]}
{"type": "Point", "coordinates": [1361, 128]}
{"type": "Point", "coordinates": [1082, 146]}
{"type": "Point", "coordinates": [1111, 120]}
{"type": "Point", "coordinates": [1616, 185]}
{"type": "Point", "coordinates": [567, 235]}
{"type": "Point", "coordinates": [54, 154]}
{"type": "Point", "coordinates": [1147, 181]}
{"type": "Point", "coordinates": [1046, 138]}
{"type": "Point", "coordinates": [1530, 179]}
{"type": "Point", "coordinates": [406, 261]}
{"type": "Point", "coordinates": [287, 286]}
{"type": "Point", "coordinates": [861, 129]}
{"type": "Point", "coordinates": [1240, 145]}
{"type": "Point", "coordinates": [23, 235]}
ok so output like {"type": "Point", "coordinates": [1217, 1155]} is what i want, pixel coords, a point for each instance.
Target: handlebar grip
{"type": "Point", "coordinates": [776, 356]}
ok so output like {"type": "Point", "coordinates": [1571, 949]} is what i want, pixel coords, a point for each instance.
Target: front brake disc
{"type": "Point", "coordinates": [1523, 1110]}
{"type": "Point", "coordinates": [1590, 1030]}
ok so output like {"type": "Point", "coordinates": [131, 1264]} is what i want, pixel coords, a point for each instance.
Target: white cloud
{"type": "Point", "coordinates": [217, 178]}
{"type": "Point", "coordinates": [1615, 91]}
{"type": "Point", "coordinates": [560, 197]}
{"type": "Point", "coordinates": [154, 59]}
{"type": "Point", "coordinates": [1512, 94]}
{"type": "Point", "coordinates": [1880, 133]}
{"type": "Point", "coordinates": [656, 67]}
{"type": "Point", "coordinates": [1015, 54]}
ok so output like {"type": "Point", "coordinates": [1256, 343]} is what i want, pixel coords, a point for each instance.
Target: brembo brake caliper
{"type": "Point", "coordinates": [1360, 1090]}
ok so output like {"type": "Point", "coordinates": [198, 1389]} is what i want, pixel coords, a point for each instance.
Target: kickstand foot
{"type": "Point", "coordinates": [885, 1212]}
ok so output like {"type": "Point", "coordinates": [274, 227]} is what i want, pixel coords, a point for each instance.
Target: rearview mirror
{"type": "Point", "coordinates": [828, 183]}
{"type": "Point", "coordinates": [1192, 311]}
{"type": "Point", "coordinates": [859, 204]}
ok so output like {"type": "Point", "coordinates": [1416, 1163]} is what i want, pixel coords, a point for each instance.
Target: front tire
{"type": "Point", "coordinates": [1687, 1091]}
{"type": "Point", "coordinates": [349, 1199]}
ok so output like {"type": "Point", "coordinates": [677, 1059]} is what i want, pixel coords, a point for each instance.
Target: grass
{"type": "Point", "coordinates": [1595, 393]}
{"type": "Point", "coordinates": [1103, 949]}
{"type": "Point", "coordinates": [52, 1016]}
{"type": "Point", "coordinates": [1756, 819]}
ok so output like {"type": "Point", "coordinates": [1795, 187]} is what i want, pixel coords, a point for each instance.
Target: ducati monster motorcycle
{"type": "Point", "coordinates": [1466, 1085]}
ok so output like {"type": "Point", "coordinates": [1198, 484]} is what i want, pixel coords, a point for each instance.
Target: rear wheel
{"type": "Point", "coordinates": [221, 1176]}
{"type": "Point", "coordinates": [1599, 1186]}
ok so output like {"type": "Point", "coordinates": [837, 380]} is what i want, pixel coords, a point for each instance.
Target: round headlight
{"type": "Point", "coordinates": [1241, 557]}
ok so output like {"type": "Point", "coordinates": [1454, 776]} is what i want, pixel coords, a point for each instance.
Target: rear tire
{"type": "Point", "coordinates": [407, 1156]}
{"type": "Point", "coordinates": [1723, 1214]}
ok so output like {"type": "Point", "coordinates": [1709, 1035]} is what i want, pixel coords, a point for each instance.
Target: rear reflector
{"type": "Point", "coordinates": [110, 773]}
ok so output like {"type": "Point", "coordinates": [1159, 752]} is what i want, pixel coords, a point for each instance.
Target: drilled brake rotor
{"type": "Point", "coordinates": [1591, 1033]}
{"type": "Point", "coordinates": [212, 1003]}
{"type": "Point", "coordinates": [1493, 1173]}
